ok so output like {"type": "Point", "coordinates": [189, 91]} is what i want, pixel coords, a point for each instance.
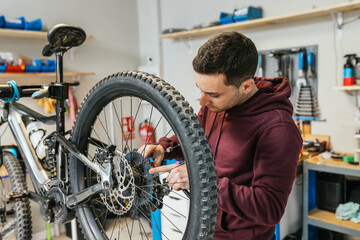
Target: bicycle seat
{"type": "Point", "coordinates": [62, 37]}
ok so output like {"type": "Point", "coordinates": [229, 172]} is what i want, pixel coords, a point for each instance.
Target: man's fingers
{"type": "Point", "coordinates": [165, 168]}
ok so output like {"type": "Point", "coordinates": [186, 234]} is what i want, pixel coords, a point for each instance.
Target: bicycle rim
{"type": "Point", "coordinates": [107, 123]}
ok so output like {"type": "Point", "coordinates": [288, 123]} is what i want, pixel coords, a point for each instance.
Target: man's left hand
{"type": "Point", "coordinates": [178, 176]}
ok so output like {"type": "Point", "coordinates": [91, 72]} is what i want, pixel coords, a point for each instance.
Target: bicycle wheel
{"type": "Point", "coordinates": [15, 219]}
{"type": "Point", "coordinates": [105, 131]}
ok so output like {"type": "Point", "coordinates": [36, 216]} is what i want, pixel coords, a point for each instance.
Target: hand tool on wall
{"type": "Point", "coordinates": [301, 72]}
{"type": "Point", "coordinates": [306, 102]}
{"type": "Point", "coordinates": [260, 66]}
{"type": "Point", "coordinates": [310, 67]}
{"type": "Point", "coordinates": [278, 57]}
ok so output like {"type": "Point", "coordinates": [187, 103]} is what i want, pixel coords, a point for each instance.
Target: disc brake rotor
{"type": "Point", "coordinates": [120, 198]}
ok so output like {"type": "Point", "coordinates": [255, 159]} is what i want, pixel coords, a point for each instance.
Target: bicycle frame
{"type": "Point", "coordinates": [40, 177]}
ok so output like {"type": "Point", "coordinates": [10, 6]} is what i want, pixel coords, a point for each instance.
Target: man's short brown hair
{"type": "Point", "coordinates": [228, 53]}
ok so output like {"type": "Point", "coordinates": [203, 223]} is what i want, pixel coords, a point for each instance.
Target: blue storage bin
{"type": "Point", "coordinates": [226, 18]}
{"type": "Point", "coordinates": [15, 24]}
{"type": "Point", "coordinates": [248, 13]}
{"type": "Point", "coordinates": [48, 66]}
{"type": "Point", "coordinates": [2, 66]}
{"type": "Point", "coordinates": [34, 66]}
{"type": "Point", "coordinates": [35, 25]}
{"type": "Point", "coordinates": [2, 21]}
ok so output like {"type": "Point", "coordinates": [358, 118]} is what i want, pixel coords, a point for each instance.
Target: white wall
{"type": "Point", "coordinates": [113, 23]}
{"type": "Point", "coordinates": [176, 55]}
{"type": "Point", "coordinates": [115, 47]}
{"type": "Point", "coordinates": [336, 106]}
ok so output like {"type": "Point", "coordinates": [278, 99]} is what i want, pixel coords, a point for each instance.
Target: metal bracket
{"type": "Point", "coordinates": [340, 24]}
{"type": "Point", "coordinates": [339, 21]}
{"type": "Point", "coordinates": [188, 43]}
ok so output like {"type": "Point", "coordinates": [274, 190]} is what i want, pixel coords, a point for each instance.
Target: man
{"type": "Point", "coordinates": [253, 138]}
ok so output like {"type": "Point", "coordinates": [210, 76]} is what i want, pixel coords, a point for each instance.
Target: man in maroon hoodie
{"type": "Point", "coordinates": [253, 138]}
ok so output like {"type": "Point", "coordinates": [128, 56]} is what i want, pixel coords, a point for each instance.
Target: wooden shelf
{"type": "Point", "coordinates": [330, 218]}
{"type": "Point", "coordinates": [308, 14]}
{"type": "Point", "coordinates": [66, 74]}
{"type": "Point", "coordinates": [347, 88]}
{"type": "Point", "coordinates": [333, 163]}
{"type": "Point", "coordinates": [10, 33]}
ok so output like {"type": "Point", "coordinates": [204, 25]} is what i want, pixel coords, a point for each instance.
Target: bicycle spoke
{"type": "Point", "coordinates": [143, 229]}
{"type": "Point", "coordinates": [137, 111]}
{"type": "Point", "coordinates": [132, 227]}
{"type": "Point", "coordinates": [107, 130]}
{"type": "Point", "coordinates": [119, 232]}
{"type": "Point", "coordinates": [150, 221]}
{"type": "Point", "coordinates": [112, 232]}
{"type": "Point", "coordinates": [107, 134]}
{"type": "Point", "coordinates": [161, 202]}
{"type": "Point", "coordinates": [167, 218]}
{"type": "Point", "coordinates": [147, 132]}
{"type": "Point", "coordinates": [121, 127]}
{"type": "Point", "coordinates": [97, 136]}
{"type": "Point", "coordinates": [127, 226]}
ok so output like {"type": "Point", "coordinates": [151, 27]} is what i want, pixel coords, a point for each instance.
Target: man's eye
{"type": "Point", "coordinates": [214, 96]}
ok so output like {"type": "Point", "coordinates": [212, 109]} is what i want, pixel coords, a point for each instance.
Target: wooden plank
{"type": "Point", "coordinates": [11, 33]}
{"type": "Point", "coordinates": [66, 74]}
{"type": "Point", "coordinates": [330, 218]}
{"type": "Point", "coordinates": [347, 88]}
{"type": "Point", "coordinates": [23, 34]}
{"type": "Point", "coordinates": [307, 14]}
{"type": "Point", "coordinates": [332, 163]}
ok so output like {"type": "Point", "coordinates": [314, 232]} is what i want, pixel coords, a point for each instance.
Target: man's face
{"type": "Point", "coordinates": [215, 94]}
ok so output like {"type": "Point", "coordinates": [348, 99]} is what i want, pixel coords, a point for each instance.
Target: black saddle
{"type": "Point", "coordinates": [62, 37]}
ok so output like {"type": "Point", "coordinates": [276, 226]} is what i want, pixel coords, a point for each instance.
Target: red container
{"type": "Point", "coordinates": [15, 66]}
{"type": "Point", "coordinates": [348, 81]}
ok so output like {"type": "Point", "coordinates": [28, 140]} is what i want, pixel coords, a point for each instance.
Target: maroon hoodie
{"type": "Point", "coordinates": [256, 147]}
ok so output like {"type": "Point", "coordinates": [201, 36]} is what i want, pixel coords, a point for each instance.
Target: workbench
{"type": "Point", "coordinates": [321, 218]}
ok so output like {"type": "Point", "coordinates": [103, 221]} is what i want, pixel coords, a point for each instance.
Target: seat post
{"type": "Point", "coordinates": [59, 67]}
{"type": "Point", "coordinates": [60, 109]}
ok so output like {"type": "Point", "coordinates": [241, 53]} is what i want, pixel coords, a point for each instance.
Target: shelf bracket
{"type": "Point", "coordinates": [339, 21]}
{"type": "Point", "coordinates": [339, 24]}
{"type": "Point", "coordinates": [188, 43]}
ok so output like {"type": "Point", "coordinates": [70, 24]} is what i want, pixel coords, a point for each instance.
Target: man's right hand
{"type": "Point", "coordinates": [156, 152]}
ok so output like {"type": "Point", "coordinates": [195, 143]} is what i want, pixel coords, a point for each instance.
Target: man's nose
{"type": "Point", "coordinates": [203, 99]}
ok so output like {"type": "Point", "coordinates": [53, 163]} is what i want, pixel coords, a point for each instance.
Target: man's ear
{"type": "Point", "coordinates": [247, 86]}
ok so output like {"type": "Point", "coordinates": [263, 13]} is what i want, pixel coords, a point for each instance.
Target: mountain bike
{"type": "Point", "coordinates": [94, 172]}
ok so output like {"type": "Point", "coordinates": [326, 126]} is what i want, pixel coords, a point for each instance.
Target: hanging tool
{"type": "Point", "coordinates": [310, 67]}
{"type": "Point", "coordinates": [306, 102]}
{"type": "Point", "coordinates": [278, 55]}
{"type": "Point", "coordinates": [301, 73]}
{"type": "Point", "coordinates": [260, 65]}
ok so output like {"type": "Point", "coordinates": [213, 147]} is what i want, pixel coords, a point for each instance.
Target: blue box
{"type": "Point", "coordinates": [2, 21]}
{"type": "Point", "coordinates": [35, 25]}
{"type": "Point", "coordinates": [14, 24]}
{"type": "Point", "coordinates": [2, 65]}
{"type": "Point", "coordinates": [226, 18]}
{"type": "Point", "coordinates": [248, 13]}
{"type": "Point", "coordinates": [48, 66]}
{"type": "Point", "coordinates": [34, 66]}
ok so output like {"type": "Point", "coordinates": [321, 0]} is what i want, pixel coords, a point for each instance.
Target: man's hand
{"type": "Point", "coordinates": [178, 176]}
{"type": "Point", "coordinates": [156, 152]}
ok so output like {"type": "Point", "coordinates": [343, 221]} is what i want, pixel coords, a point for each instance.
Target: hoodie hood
{"type": "Point", "coordinates": [273, 93]}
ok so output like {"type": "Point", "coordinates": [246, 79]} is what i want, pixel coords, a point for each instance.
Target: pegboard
{"type": "Point", "coordinates": [270, 66]}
